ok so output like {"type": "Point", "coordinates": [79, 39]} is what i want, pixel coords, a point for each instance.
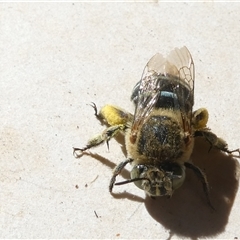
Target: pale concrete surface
{"type": "Point", "coordinates": [58, 57]}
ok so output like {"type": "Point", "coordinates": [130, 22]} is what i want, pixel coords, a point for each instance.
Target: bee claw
{"type": "Point", "coordinates": [233, 151]}
{"type": "Point", "coordinates": [107, 142]}
{"type": "Point", "coordinates": [81, 150]}
{"type": "Point", "coordinates": [93, 105]}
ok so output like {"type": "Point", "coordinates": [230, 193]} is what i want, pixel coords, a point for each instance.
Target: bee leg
{"type": "Point", "coordinates": [105, 136]}
{"type": "Point", "coordinates": [200, 118]}
{"type": "Point", "coordinates": [200, 174]}
{"type": "Point", "coordinates": [117, 171]}
{"type": "Point", "coordinates": [113, 115]}
{"type": "Point", "coordinates": [214, 141]}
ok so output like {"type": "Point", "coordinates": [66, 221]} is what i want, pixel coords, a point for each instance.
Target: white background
{"type": "Point", "coordinates": [55, 58]}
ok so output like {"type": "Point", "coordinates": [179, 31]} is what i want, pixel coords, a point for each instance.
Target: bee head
{"type": "Point", "coordinates": [158, 181]}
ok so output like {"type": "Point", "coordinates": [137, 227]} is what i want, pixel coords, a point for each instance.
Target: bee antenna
{"type": "Point", "coordinates": [132, 180]}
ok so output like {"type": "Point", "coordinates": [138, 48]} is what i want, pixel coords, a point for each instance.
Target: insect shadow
{"type": "Point", "coordinates": [125, 174]}
{"type": "Point", "coordinates": [186, 213]}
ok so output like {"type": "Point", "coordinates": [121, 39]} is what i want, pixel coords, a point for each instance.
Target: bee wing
{"type": "Point", "coordinates": [183, 62]}
{"type": "Point", "coordinates": [174, 74]}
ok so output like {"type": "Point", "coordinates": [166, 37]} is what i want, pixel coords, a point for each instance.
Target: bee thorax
{"type": "Point", "coordinates": [161, 138]}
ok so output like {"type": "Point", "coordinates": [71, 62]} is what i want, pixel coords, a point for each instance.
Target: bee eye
{"type": "Point", "coordinates": [178, 177]}
{"type": "Point", "coordinates": [138, 172]}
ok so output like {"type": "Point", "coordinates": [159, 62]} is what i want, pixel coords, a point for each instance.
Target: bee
{"type": "Point", "coordinates": [160, 135]}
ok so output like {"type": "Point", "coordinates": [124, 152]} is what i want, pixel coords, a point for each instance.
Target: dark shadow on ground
{"type": "Point", "coordinates": [187, 212]}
